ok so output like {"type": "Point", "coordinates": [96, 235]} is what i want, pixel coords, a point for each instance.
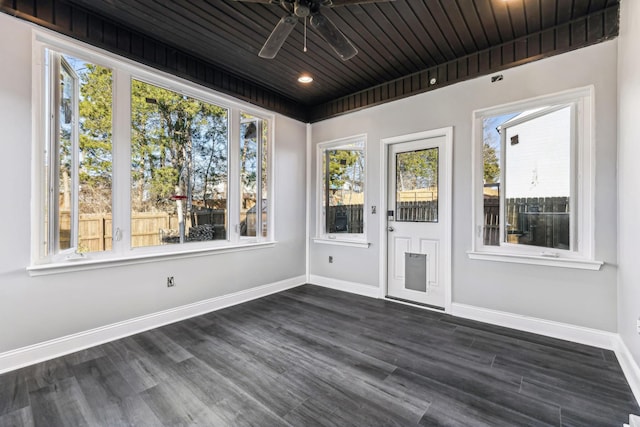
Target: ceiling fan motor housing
{"type": "Point", "coordinates": [302, 8]}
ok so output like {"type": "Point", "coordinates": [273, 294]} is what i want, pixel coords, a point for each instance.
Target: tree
{"type": "Point", "coordinates": [417, 169]}
{"type": "Point", "coordinates": [345, 167]}
{"type": "Point", "coordinates": [491, 164]}
{"type": "Point", "coordinates": [248, 160]}
{"type": "Point", "coordinates": [179, 146]}
{"type": "Point", "coordinates": [95, 138]}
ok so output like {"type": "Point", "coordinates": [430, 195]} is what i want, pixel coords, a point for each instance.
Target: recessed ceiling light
{"type": "Point", "coordinates": [305, 78]}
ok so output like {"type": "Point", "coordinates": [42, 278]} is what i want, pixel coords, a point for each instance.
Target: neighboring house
{"type": "Point", "coordinates": [537, 150]}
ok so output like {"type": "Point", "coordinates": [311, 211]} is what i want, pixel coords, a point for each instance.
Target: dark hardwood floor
{"type": "Point", "coordinates": [317, 357]}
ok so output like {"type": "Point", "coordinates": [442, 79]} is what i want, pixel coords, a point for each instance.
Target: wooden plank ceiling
{"type": "Point", "coordinates": [402, 44]}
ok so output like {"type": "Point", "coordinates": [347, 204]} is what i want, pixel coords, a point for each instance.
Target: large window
{"type": "Point", "coordinates": [179, 149]}
{"type": "Point", "coordinates": [341, 184]}
{"type": "Point", "coordinates": [138, 164]}
{"type": "Point", "coordinates": [535, 177]}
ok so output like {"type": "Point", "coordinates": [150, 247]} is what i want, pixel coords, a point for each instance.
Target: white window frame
{"type": "Point", "coordinates": [343, 239]}
{"type": "Point", "coordinates": [582, 252]}
{"type": "Point", "coordinates": [259, 196]}
{"type": "Point", "coordinates": [124, 71]}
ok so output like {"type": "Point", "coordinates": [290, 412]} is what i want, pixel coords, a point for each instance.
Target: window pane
{"type": "Point", "coordinates": [343, 191]}
{"type": "Point", "coordinates": [264, 180]}
{"type": "Point", "coordinates": [84, 149]}
{"type": "Point", "coordinates": [179, 149]}
{"type": "Point", "coordinates": [417, 186]}
{"type": "Point", "coordinates": [491, 177]}
{"type": "Point", "coordinates": [253, 175]}
{"type": "Point", "coordinates": [538, 178]}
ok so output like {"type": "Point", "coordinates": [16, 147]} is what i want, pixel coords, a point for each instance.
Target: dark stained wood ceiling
{"type": "Point", "coordinates": [402, 44]}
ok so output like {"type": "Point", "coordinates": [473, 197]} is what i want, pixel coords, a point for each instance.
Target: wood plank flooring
{"type": "Point", "coordinates": [317, 357]}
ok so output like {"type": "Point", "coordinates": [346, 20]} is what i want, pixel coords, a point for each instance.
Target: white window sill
{"type": "Point", "coordinates": [86, 263]}
{"type": "Point", "coordinates": [342, 242]}
{"type": "Point", "coordinates": [581, 264]}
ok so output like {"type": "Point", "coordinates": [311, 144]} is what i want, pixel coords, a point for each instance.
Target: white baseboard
{"type": "Point", "coordinates": [564, 331]}
{"type": "Point", "coordinates": [630, 369]}
{"type": "Point", "coordinates": [342, 285]}
{"type": "Point", "coordinates": [35, 353]}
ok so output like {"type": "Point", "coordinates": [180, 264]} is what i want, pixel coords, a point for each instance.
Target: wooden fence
{"type": "Point", "coordinates": [345, 219]}
{"type": "Point", "coordinates": [491, 221]}
{"type": "Point", "coordinates": [538, 221]}
{"type": "Point", "coordinates": [349, 218]}
{"type": "Point", "coordinates": [424, 211]}
{"type": "Point", "coordinates": [147, 229]}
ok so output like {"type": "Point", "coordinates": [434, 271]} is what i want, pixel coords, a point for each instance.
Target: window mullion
{"type": "Point", "coordinates": [502, 188]}
{"type": "Point", "coordinates": [234, 196]}
{"type": "Point", "coordinates": [54, 153]}
{"type": "Point", "coordinates": [121, 197]}
{"type": "Point", "coordinates": [573, 203]}
{"type": "Point", "coordinates": [259, 150]}
{"type": "Point", "coordinates": [75, 163]}
{"type": "Point", "coordinates": [327, 177]}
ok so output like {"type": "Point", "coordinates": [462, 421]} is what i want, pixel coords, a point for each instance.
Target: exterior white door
{"type": "Point", "coordinates": [418, 220]}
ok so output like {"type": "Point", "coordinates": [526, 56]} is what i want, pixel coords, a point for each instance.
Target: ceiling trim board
{"type": "Point", "coordinates": [602, 26]}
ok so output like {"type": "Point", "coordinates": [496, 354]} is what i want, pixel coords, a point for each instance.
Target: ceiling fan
{"type": "Point", "coordinates": [324, 26]}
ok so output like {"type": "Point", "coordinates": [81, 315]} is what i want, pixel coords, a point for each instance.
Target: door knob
{"type": "Point", "coordinates": [390, 228]}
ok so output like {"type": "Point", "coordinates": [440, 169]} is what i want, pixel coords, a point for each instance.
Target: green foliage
{"type": "Point", "coordinates": [491, 164]}
{"type": "Point", "coordinates": [417, 169]}
{"type": "Point", "coordinates": [343, 168]}
{"type": "Point", "coordinates": [179, 145]}
{"type": "Point", "coordinates": [161, 186]}
{"type": "Point", "coordinates": [95, 109]}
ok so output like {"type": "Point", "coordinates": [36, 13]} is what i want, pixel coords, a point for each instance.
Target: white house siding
{"type": "Point", "coordinates": [539, 165]}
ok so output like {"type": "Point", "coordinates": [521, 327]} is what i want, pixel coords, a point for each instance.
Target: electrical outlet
{"type": "Point", "coordinates": [170, 282]}
{"type": "Point", "coordinates": [330, 259]}
{"type": "Point", "coordinates": [638, 325]}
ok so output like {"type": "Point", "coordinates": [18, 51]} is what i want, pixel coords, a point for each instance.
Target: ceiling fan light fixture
{"type": "Point", "coordinates": [305, 79]}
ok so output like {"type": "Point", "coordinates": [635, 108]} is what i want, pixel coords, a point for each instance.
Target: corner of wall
{"type": "Point", "coordinates": [308, 202]}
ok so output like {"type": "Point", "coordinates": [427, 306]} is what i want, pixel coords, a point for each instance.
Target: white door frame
{"type": "Point", "coordinates": [446, 217]}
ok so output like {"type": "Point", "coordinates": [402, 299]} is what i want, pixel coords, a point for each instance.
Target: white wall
{"type": "Point", "coordinates": [578, 297]}
{"type": "Point", "coordinates": [35, 309]}
{"type": "Point", "coordinates": [629, 176]}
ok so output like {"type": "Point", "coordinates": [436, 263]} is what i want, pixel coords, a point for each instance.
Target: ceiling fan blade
{"type": "Point", "coordinates": [333, 36]}
{"type": "Point", "coordinates": [333, 3]}
{"type": "Point", "coordinates": [278, 36]}
{"type": "Point", "coordinates": [260, 1]}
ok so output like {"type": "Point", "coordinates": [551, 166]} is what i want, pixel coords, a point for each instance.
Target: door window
{"type": "Point", "coordinates": [417, 186]}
